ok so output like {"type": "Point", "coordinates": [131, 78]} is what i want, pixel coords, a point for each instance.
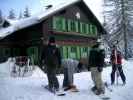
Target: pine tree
{"type": "Point", "coordinates": [20, 15]}
{"type": "Point", "coordinates": [1, 17]}
{"type": "Point", "coordinates": [11, 14]}
{"type": "Point", "coordinates": [26, 12]}
{"type": "Point", "coordinates": [118, 18]}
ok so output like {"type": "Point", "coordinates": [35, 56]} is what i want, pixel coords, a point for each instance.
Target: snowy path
{"type": "Point", "coordinates": [30, 88]}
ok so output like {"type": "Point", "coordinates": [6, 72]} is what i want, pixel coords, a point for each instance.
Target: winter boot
{"type": "Point", "coordinates": [71, 87]}
{"type": "Point", "coordinates": [98, 92]}
{"type": "Point", "coordinates": [94, 88]}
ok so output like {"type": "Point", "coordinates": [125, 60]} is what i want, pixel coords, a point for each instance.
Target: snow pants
{"type": "Point", "coordinates": [52, 79]}
{"type": "Point", "coordinates": [114, 69]}
{"type": "Point", "coordinates": [68, 77]}
{"type": "Point", "coordinates": [97, 78]}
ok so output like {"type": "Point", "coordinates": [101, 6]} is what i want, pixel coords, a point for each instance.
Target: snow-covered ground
{"type": "Point", "coordinates": [30, 88]}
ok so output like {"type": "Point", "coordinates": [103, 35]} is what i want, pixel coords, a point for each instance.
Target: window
{"type": "Point", "coordinates": [88, 29]}
{"type": "Point", "coordinates": [71, 26]}
{"type": "Point", "coordinates": [73, 49]}
{"type": "Point", "coordinates": [83, 28]}
{"type": "Point", "coordinates": [76, 26]}
{"type": "Point", "coordinates": [59, 23]}
{"type": "Point", "coordinates": [84, 49]}
{"type": "Point", "coordinates": [65, 52]}
{"type": "Point", "coordinates": [93, 30]}
{"type": "Point", "coordinates": [33, 53]}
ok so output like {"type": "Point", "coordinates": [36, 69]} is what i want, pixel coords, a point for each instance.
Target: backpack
{"type": "Point", "coordinates": [101, 56]}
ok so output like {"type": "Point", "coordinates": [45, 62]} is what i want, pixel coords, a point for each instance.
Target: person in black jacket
{"type": "Point", "coordinates": [96, 63]}
{"type": "Point", "coordinates": [52, 59]}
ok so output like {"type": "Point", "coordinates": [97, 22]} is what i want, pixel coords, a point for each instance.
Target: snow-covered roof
{"type": "Point", "coordinates": [56, 8]}
{"type": "Point", "coordinates": [17, 25]}
{"type": "Point", "coordinates": [6, 31]}
{"type": "Point", "coordinates": [23, 23]}
{"type": "Point", "coordinates": [12, 21]}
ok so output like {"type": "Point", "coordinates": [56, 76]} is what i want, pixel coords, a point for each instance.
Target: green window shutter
{"type": "Point", "coordinates": [94, 30]}
{"type": "Point", "coordinates": [6, 52]}
{"type": "Point", "coordinates": [16, 51]}
{"type": "Point", "coordinates": [76, 26]}
{"type": "Point", "coordinates": [78, 52]}
{"type": "Point", "coordinates": [84, 52]}
{"type": "Point", "coordinates": [54, 22]}
{"type": "Point", "coordinates": [69, 51]}
{"type": "Point", "coordinates": [88, 29]}
{"type": "Point", "coordinates": [72, 26]}
{"type": "Point", "coordinates": [61, 51]}
{"type": "Point", "coordinates": [57, 23]}
{"type": "Point", "coordinates": [91, 29]}
{"type": "Point", "coordinates": [64, 24]}
{"type": "Point", "coordinates": [84, 28]}
{"type": "Point", "coordinates": [81, 28]}
{"type": "Point", "coordinates": [65, 52]}
{"type": "Point", "coordinates": [73, 52]}
{"type": "Point", "coordinates": [60, 24]}
{"type": "Point", "coordinates": [69, 25]}
{"type": "Point", "coordinates": [33, 53]}
{"type": "Point", "coordinates": [88, 51]}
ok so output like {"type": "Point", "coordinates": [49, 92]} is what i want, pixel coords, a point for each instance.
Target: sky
{"type": "Point", "coordinates": [35, 6]}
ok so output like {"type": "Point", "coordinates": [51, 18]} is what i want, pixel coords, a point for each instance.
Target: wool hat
{"type": "Point", "coordinates": [51, 40]}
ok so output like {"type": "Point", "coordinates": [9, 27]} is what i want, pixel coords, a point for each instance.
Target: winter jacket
{"type": "Point", "coordinates": [51, 56]}
{"type": "Point", "coordinates": [113, 57]}
{"type": "Point", "coordinates": [93, 59]}
{"type": "Point", "coordinates": [101, 56]}
{"type": "Point", "coordinates": [96, 58]}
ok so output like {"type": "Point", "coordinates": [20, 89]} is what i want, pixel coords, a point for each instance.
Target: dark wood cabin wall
{"type": "Point", "coordinates": [24, 37]}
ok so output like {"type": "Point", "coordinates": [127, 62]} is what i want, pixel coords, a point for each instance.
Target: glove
{"type": "Point", "coordinates": [100, 69]}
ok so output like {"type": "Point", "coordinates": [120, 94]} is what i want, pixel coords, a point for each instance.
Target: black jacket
{"type": "Point", "coordinates": [101, 57]}
{"type": "Point", "coordinates": [51, 56]}
{"type": "Point", "coordinates": [96, 58]}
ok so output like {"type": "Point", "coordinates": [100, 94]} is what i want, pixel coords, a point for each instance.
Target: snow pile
{"type": "Point", "coordinates": [5, 69]}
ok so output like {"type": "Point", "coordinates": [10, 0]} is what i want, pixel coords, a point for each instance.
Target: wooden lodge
{"type": "Point", "coordinates": [73, 25]}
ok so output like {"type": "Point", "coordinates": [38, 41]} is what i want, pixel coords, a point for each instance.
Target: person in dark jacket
{"type": "Point", "coordinates": [96, 63]}
{"type": "Point", "coordinates": [116, 60]}
{"type": "Point", "coordinates": [52, 59]}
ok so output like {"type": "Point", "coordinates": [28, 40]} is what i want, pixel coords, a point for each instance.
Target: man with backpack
{"type": "Point", "coordinates": [52, 60]}
{"type": "Point", "coordinates": [96, 63]}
